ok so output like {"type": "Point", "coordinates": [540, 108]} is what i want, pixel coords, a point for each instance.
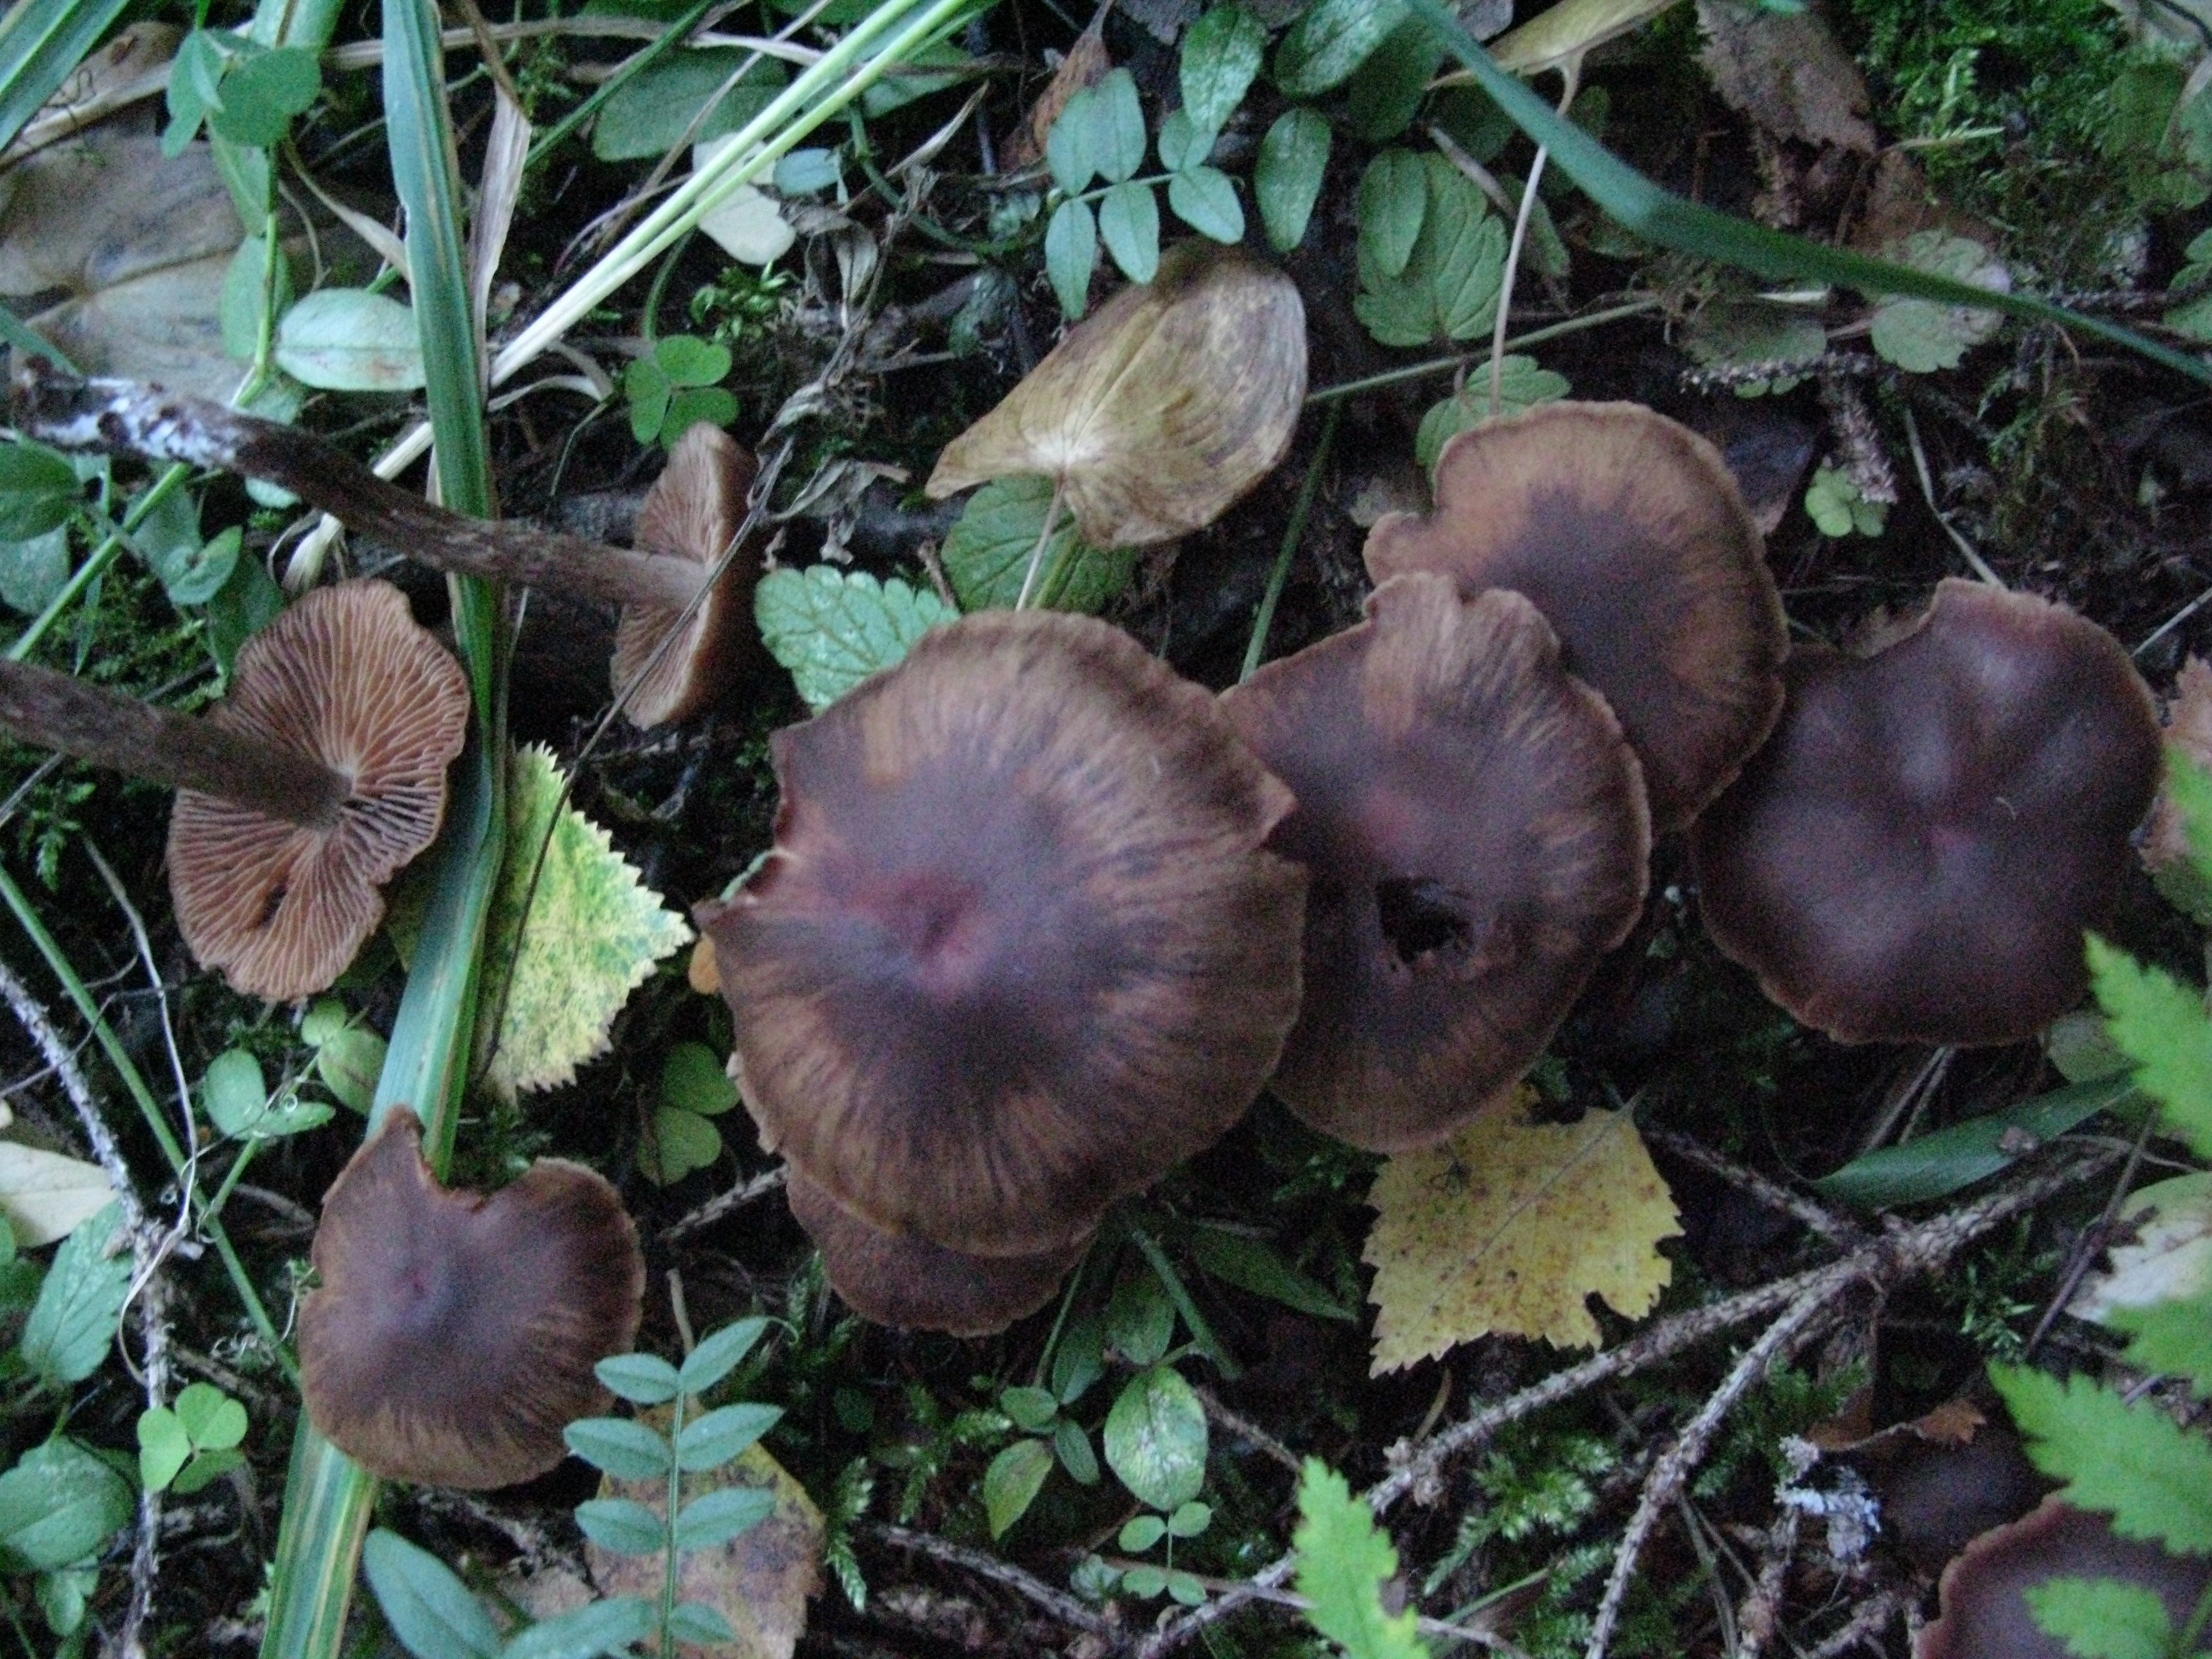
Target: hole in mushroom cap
{"type": "Point", "coordinates": [1627, 531]}
{"type": "Point", "coordinates": [1474, 827]}
{"type": "Point", "coordinates": [1916, 853]}
{"type": "Point", "coordinates": [454, 1333]}
{"type": "Point", "coordinates": [1018, 949]}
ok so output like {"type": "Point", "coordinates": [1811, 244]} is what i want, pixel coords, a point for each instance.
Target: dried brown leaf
{"type": "Point", "coordinates": [1787, 72]}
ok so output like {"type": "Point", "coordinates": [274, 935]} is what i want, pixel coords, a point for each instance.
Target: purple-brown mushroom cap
{"type": "Point", "coordinates": [1018, 947]}
{"type": "Point", "coordinates": [1473, 828]}
{"type": "Point", "coordinates": [454, 1333]}
{"type": "Point", "coordinates": [1915, 855]}
{"type": "Point", "coordinates": [1628, 532]}
{"type": "Point", "coordinates": [913, 1285]}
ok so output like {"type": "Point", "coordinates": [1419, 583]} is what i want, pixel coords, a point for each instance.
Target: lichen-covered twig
{"type": "Point", "coordinates": [1057, 1602]}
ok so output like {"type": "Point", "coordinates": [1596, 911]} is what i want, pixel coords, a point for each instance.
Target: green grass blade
{"type": "Point", "coordinates": [41, 42]}
{"type": "Point", "coordinates": [1659, 216]}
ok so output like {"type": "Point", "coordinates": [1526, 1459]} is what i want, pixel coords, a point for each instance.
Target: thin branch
{"type": "Point", "coordinates": [1221, 1417]}
{"type": "Point", "coordinates": [1839, 1230]}
{"type": "Point", "coordinates": [1872, 1618]}
{"type": "Point", "coordinates": [767, 1182]}
{"type": "Point", "coordinates": [1057, 1602]}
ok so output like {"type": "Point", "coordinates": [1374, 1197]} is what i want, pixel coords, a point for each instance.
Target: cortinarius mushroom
{"type": "Point", "coordinates": [913, 1285]}
{"type": "Point", "coordinates": [1017, 948]}
{"type": "Point", "coordinates": [1628, 532]}
{"type": "Point", "coordinates": [1473, 827]}
{"type": "Point", "coordinates": [321, 777]}
{"type": "Point", "coordinates": [685, 526]}
{"type": "Point", "coordinates": [1916, 853]}
{"type": "Point", "coordinates": [454, 1335]}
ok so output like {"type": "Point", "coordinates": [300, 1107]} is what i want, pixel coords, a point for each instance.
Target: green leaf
{"type": "Point", "coordinates": [1287, 179]}
{"type": "Point", "coordinates": [686, 360]}
{"type": "Point", "coordinates": [712, 1440]}
{"type": "Point", "coordinates": [58, 1506]}
{"type": "Point", "coordinates": [720, 1353]}
{"type": "Point", "coordinates": [1522, 385]}
{"type": "Point", "coordinates": [2154, 1476]}
{"type": "Point", "coordinates": [211, 1417]}
{"type": "Point", "coordinates": [1156, 1439]}
{"type": "Point", "coordinates": [717, 1516]}
{"type": "Point", "coordinates": [1140, 1318]}
{"type": "Point", "coordinates": [195, 87]}
{"type": "Point", "coordinates": [608, 1627]}
{"type": "Point", "coordinates": [1012, 1482]}
{"type": "Point", "coordinates": [262, 91]}
{"type": "Point", "coordinates": [986, 554]}
{"type": "Point", "coordinates": [1252, 1265]}
{"type": "Point", "coordinates": [1836, 507]}
{"type": "Point", "coordinates": [1448, 288]}
{"type": "Point", "coordinates": [1071, 250]}
{"type": "Point", "coordinates": [1733, 334]}
{"type": "Point", "coordinates": [623, 1525]}
{"type": "Point", "coordinates": [426, 1604]}
{"type": "Point", "coordinates": [643, 1379]}
{"type": "Point", "coordinates": [1071, 1444]}
{"type": "Point", "coordinates": [2160, 1025]}
{"type": "Point", "coordinates": [1182, 142]}
{"type": "Point", "coordinates": [648, 113]}
{"type": "Point", "coordinates": [693, 1080]}
{"type": "Point", "coordinates": [1394, 202]}
{"type": "Point", "coordinates": [678, 1143]}
{"type": "Point", "coordinates": [1070, 148]}
{"type": "Point", "coordinates": [1031, 1409]}
{"type": "Point", "coordinates": [1190, 1519]}
{"type": "Point", "coordinates": [245, 300]}
{"type": "Point", "coordinates": [646, 386]}
{"type": "Point", "coordinates": [348, 1056]}
{"type": "Point", "coordinates": [625, 1448]}
{"type": "Point", "coordinates": [1331, 38]}
{"type": "Point", "coordinates": [1129, 225]}
{"type": "Point", "coordinates": [1117, 126]}
{"type": "Point", "coordinates": [1205, 199]}
{"type": "Point", "coordinates": [2193, 320]}
{"type": "Point", "coordinates": [2173, 1338]}
{"type": "Point", "coordinates": [164, 1448]}
{"type": "Point", "coordinates": [1344, 1561]}
{"type": "Point", "coordinates": [205, 1469]}
{"type": "Point", "coordinates": [247, 603]}
{"type": "Point", "coordinates": [1221, 54]}
{"type": "Point", "coordinates": [1388, 88]}
{"type": "Point", "coordinates": [39, 490]}
{"type": "Point", "coordinates": [697, 1623]}
{"type": "Point", "coordinates": [42, 42]}
{"type": "Point", "coordinates": [347, 339]}
{"type": "Point", "coordinates": [1139, 1533]}
{"type": "Point", "coordinates": [1936, 1165]}
{"type": "Point", "coordinates": [1921, 336]}
{"type": "Point", "coordinates": [1080, 1359]}
{"type": "Point", "coordinates": [832, 629]}
{"type": "Point", "coordinates": [695, 405]}
{"type": "Point", "coordinates": [76, 1316]}
{"type": "Point", "coordinates": [240, 1107]}
{"type": "Point", "coordinates": [807, 171]}
{"type": "Point", "coordinates": [1144, 1583]}
{"type": "Point", "coordinates": [2103, 1617]}
{"type": "Point", "coordinates": [31, 572]}
{"type": "Point", "coordinates": [1184, 1587]}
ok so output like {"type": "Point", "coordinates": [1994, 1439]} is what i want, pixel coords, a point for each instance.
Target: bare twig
{"type": "Point", "coordinates": [1758, 1616]}
{"type": "Point", "coordinates": [1837, 1229]}
{"type": "Point", "coordinates": [1057, 1602]}
{"type": "Point", "coordinates": [1871, 1619]}
{"type": "Point", "coordinates": [722, 1204]}
{"type": "Point", "coordinates": [1221, 1417]}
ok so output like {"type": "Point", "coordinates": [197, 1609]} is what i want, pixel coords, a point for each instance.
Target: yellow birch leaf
{"type": "Point", "coordinates": [1509, 1226]}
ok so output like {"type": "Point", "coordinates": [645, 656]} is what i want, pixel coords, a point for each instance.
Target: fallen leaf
{"type": "Point", "coordinates": [1923, 335]}
{"type": "Point", "coordinates": [760, 1581]}
{"type": "Point", "coordinates": [1569, 29]}
{"type": "Point", "coordinates": [1085, 65]}
{"type": "Point", "coordinates": [133, 65]}
{"type": "Point", "coordinates": [2189, 725]}
{"type": "Point", "coordinates": [748, 226]}
{"type": "Point", "coordinates": [1509, 1226]}
{"type": "Point", "coordinates": [2170, 1259]}
{"type": "Point", "coordinates": [1786, 72]}
{"type": "Point", "coordinates": [45, 1196]}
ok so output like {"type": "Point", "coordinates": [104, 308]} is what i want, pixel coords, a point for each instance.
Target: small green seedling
{"type": "Point", "coordinates": [676, 386]}
{"type": "Point", "coordinates": [185, 1447]}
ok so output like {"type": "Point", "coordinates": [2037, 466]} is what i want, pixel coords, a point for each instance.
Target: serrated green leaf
{"type": "Point", "coordinates": [712, 1440]}
{"type": "Point", "coordinates": [58, 1506]}
{"type": "Point", "coordinates": [75, 1318]}
{"type": "Point", "coordinates": [719, 1353]}
{"type": "Point", "coordinates": [1449, 287]}
{"type": "Point", "coordinates": [1286, 181]}
{"type": "Point", "coordinates": [2160, 1025]}
{"type": "Point", "coordinates": [2171, 1338]}
{"type": "Point", "coordinates": [427, 1607]}
{"type": "Point", "coordinates": [1331, 38]}
{"type": "Point", "coordinates": [1156, 1439]}
{"type": "Point", "coordinates": [1344, 1561]}
{"type": "Point", "coordinates": [717, 1516]}
{"type": "Point", "coordinates": [1129, 225]}
{"type": "Point", "coordinates": [2133, 1460]}
{"type": "Point", "coordinates": [1071, 251]}
{"type": "Point", "coordinates": [1923, 335]}
{"type": "Point", "coordinates": [624, 1447]}
{"type": "Point", "coordinates": [1117, 126]}
{"type": "Point", "coordinates": [2103, 1617]}
{"type": "Point", "coordinates": [622, 1525]}
{"type": "Point", "coordinates": [1393, 201]}
{"type": "Point", "coordinates": [1221, 54]}
{"type": "Point", "coordinates": [1386, 90]}
{"type": "Point", "coordinates": [832, 629]}
{"type": "Point", "coordinates": [1204, 198]}
{"type": "Point", "coordinates": [1070, 148]}
{"type": "Point", "coordinates": [986, 554]}
{"type": "Point", "coordinates": [1522, 385]}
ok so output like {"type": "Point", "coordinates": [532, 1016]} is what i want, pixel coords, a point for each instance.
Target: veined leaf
{"type": "Point", "coordinates": [2153, 1476]}
{"type": "Point", "coordinates": [832, 629]}
{"type": "Point", "coordinates": [1344, 1561]}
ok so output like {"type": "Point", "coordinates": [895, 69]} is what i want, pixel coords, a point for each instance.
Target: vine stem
{"type": "Point", "coordinates": [1293, 534]}
{"type": "Point", "coordinates": [1573, 69]}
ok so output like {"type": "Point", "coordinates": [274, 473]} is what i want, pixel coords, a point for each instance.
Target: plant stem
{"type": "Point", "coordinates": [1441, 365]}
{"type": "Point", "coordinates": [1044, 540]}
{"type": "Point", "coordinates": [1179, 1293]}
{"type": "Point", "coordinates": [1573, 69]}
{"type": "Point", "coordinates": [1293, 534]}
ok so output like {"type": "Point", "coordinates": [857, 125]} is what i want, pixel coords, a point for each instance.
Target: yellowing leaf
{"type": "Point", "coordinates": [44, 1195]}
{"type": "Point", "coordinates": [592, 933]}
{"type": "Point", "coordinates": [1507, 1228]}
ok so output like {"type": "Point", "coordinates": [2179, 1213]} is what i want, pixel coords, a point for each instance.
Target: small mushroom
{"type": "Point", "coordinates": [1985, 1613]}
{"type": "Point", "coordinates": [1017, 948]}
{"type": "Point", "coordinates": [1915, 855]}
{"type": "Point", "coordinates": [695, 510]}
{"type": "Point", "coordinates": [1162, 408]}
{"type": "Point", "coordinates": [1629, 533]}
{"type": "Point", "coordinates": [321, 777]}
{"type": "Point", "coordinates": [454, 1333]}
{"type": "Point", "coordinates": [913, 1285]}
{"type": "Point", "coordinates": [1474, 826]}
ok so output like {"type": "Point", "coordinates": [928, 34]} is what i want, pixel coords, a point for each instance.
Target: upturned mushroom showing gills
{"type": "Point", "coordinates": [1018, 947]}
{"type": "Point", "coordinates": [1916, 853]}
{"type": "Point", "coordinates": [454, 1334]}
{"type": "Point", "coordinates": [1160, 409]}
{"type": "Point", "coordinates": [322, 776]}
{"type": "Point", "coordinates": [666, 587]}
{"type": "Point", "coordinates": [1473, 827]}
{"type": "Point", "coordinates": [1628, 532]}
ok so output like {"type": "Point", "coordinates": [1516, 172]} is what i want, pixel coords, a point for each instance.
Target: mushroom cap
{"type": "Point", "coordinates": [454, 1333]}
{"type": "Point", "coordinates": [693, 509]}
{"type": "Point", "coordinates": [913, 1285]}
{"type": "Point", "coordinates": [1018, 948]}
{"type": "Point", "coordinates": [1915, 855]}
{"type": "Point", "coordinates": [1986, 1613]}
{"type": "Point", "coordinates": [1161, 409]}
{"type": "Point", "coordinates": [346, 676]}
{"type": "Point", "coordinates": [1472, 824]}
{"type": "Point", "coordinates": [1629, 533]}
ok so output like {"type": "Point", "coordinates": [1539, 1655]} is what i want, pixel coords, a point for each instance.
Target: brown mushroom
{"type": "Point", "coordinates": [321, 777]}
{"type": "Point", "coordinates": [1017, 948]}
{"type": "Point", "coordinates": [913, 1285]}
{"type": "Point", "coordinates": [1985, 1613]}
{"type": "Point", "coordinates": [454, 1334]}
{"type": "Point", "coordinates": [655, 584]}
{"type": "Point", "coordinates": [1629, 533]}
{"type": "Point", "coordinates": [1916, 853]}
{"type": "Point", "coordinates": [1473, 827]}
